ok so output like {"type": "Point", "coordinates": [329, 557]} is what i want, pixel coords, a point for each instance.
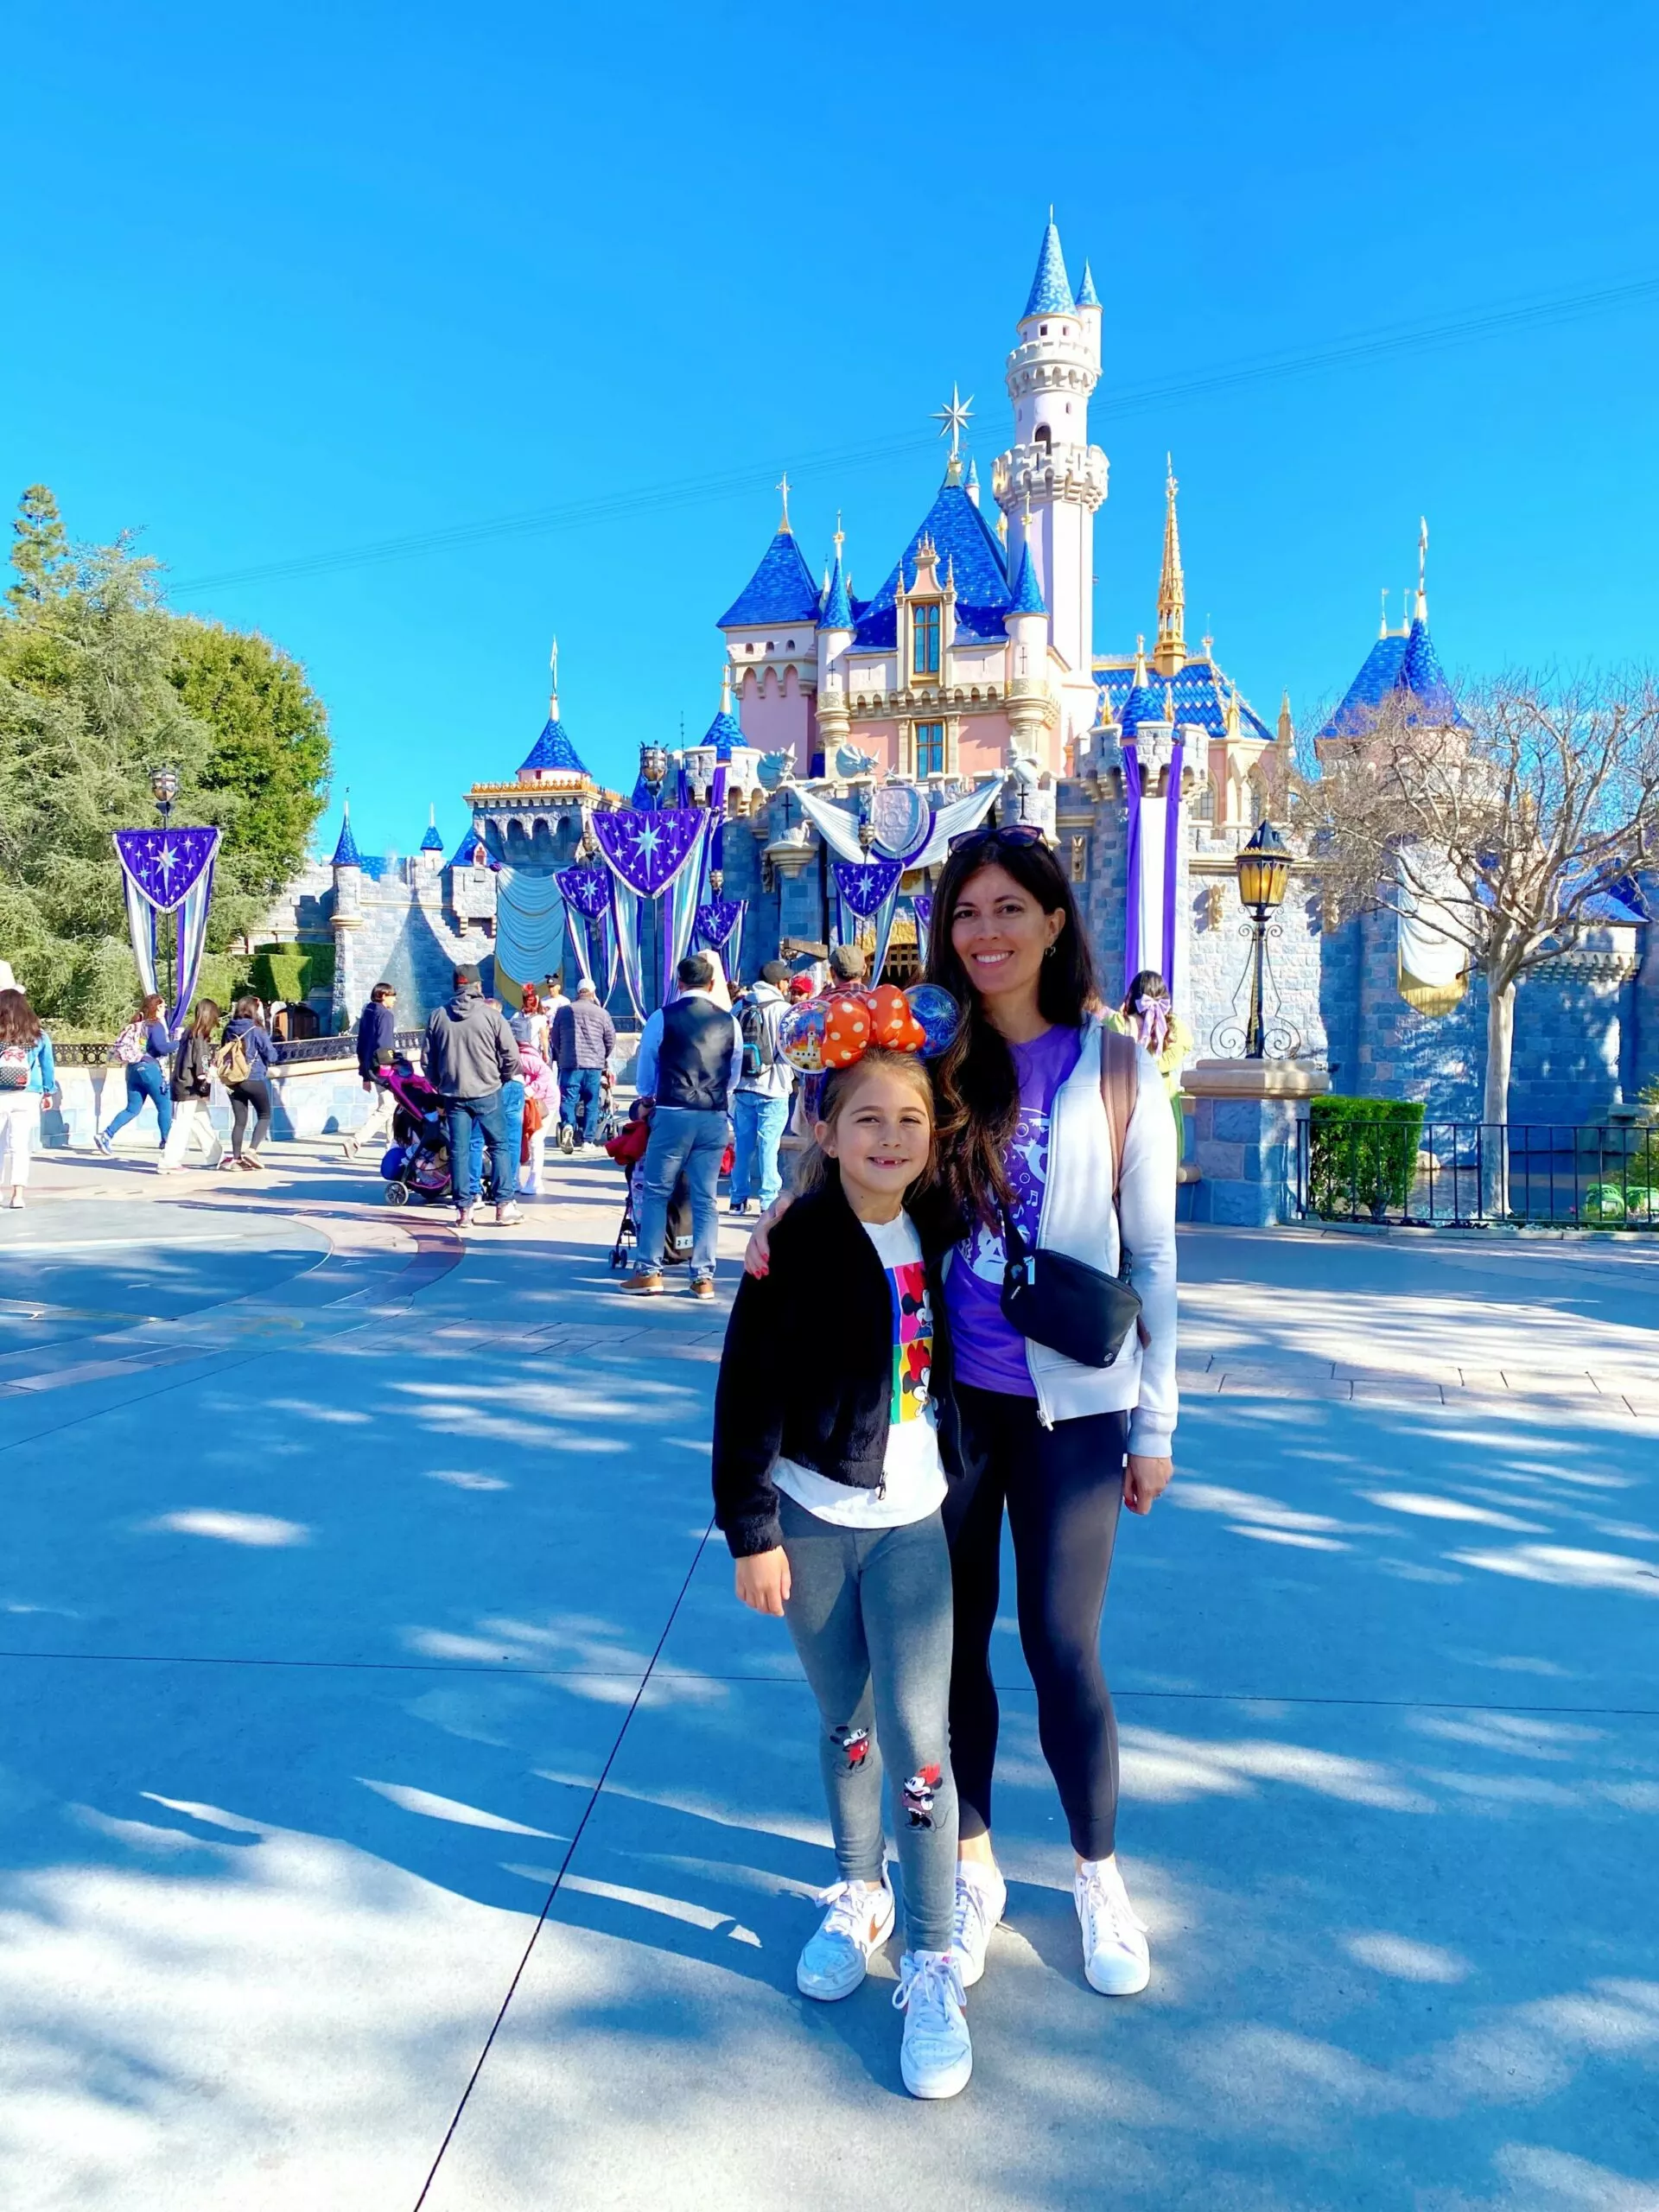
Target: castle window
{"type": "Point", "coordinates": [789, 646]}
{"type": "Point", "coordinates": [1043, 333]}
{"type": "Point", "coordinates": [924, 639]}
{"type": "Point", "coordinates": [1043, 436]}
{"type": "Point", "coordinates": [930, 748]}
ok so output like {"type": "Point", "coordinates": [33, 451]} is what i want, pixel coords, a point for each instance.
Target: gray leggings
{"type": "Point", "coordinates": [869, 1610]}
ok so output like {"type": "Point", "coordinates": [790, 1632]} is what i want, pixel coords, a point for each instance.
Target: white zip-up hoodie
{"type": "Point", "coordinates": [1079, 1219]}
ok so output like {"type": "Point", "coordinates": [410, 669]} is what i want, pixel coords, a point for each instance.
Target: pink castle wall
{"type": "Point", "coordinates": [776, 719]}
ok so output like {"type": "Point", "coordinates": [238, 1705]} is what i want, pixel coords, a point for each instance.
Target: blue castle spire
{"type": "Point", "coordinates": [346, 852]}
{"type": "Point", "coordinates": [1087, 295]}
{"type": "Point", "coordinates": [1050, 288]}
{"type": "Point", "coordinates": [837, 606]}
{"type": "Point", "coordinates": [432, 843]}
{"type": "Point", "coordinates": [1027, 592]}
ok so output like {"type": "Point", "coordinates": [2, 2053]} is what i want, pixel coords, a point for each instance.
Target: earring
{"type": "Point", "coordinates": [1049, 953]}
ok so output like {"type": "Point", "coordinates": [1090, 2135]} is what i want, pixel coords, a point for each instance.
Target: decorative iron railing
{"type": "Point", "coordinates": [290, 1052]}
{"type": "Point", "coordinates": [1476, 1174]}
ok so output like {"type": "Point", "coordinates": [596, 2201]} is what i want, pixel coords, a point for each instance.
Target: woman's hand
{"type": "Point", "coordinates": [763, 1581]}
{"type": "Point", "coordinates": [757, 1253]}
{"type": "Point", "coordinates": [1144, 1481]}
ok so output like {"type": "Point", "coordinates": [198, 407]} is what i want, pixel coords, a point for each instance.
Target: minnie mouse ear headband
{"type": "Point", "coordinates": [826, 1034]}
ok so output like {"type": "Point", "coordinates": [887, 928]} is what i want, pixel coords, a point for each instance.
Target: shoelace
{"type": "Point", "coordinates": [852, 1906]}
{"type": "Point", "coordinates": [972, 1914]}
{"type": "Point", "coordinates": [923, 1985]}
{"type": "Point", "coordinates": [1111, 1899]}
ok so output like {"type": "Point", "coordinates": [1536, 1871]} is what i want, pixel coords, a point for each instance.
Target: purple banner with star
{"type": "Point", "coordinates": [168, 872]}
{"type": "Point", "coordinates": [647, 851]}
{"type": "Point", "coordinates": [166, 864]}
{"type": "Point", "coordinates": [864, 884]}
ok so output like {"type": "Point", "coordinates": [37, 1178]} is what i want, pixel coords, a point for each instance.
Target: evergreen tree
{"type": "Point", "coordinates": [41, 555]}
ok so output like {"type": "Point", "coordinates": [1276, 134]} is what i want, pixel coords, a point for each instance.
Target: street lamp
{"type": "Point", "coordinates": [164, 782]}
{"type": "Point", "coordinates": [1263, 870]}
{"type": "Point", "coordinates": [653, 766]}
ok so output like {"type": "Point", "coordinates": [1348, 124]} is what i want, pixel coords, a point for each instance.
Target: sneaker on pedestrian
{"type": "Point", "coordinates": [15, 1203]}
{"type": "Point", "coordinates": [702, 1286]}
{"type": "Point", "coordinates": [465, 1213]}
{"type": "Point", "coordinates": [1116, 1958]}
{"type": "Point", "coordinates": [738, 1205]}
{"type": "Point", "coordinates": [981, 1900]}
{"type": "Point", "coordinates": [937, 2054]}
{"type": "Point", "coordinates": [856, 1925]}
{"type": "Point", "coordinates": [507, 1216]}
{"type": "Point", "coordinates": [644, 1282]}
{"type": "Point", "coordinates": [252, 1161]}
{"type": "Point", "coordinates": [103, 1144]}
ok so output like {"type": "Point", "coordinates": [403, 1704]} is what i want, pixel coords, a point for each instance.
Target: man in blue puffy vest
{"type": "Point", "coordinates": [690, 1057]}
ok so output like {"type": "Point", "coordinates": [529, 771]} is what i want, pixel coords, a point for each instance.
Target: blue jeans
{"type": "Point", "coordinates": [683, 1139]}
{"type": "Point", "coordinates": [145, 1080]}
{"type": "Point", "coordinates": [489, 1116]}
{"type": "Point", "coordinates": [579, 1103]}
{"type": "Point", "coordinates": [758, 1127]}
{"type": "Point", "coordinates": [513, 1106]}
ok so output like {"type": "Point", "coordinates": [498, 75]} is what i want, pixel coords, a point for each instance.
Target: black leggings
{"type": "Point", "coordinates": [244, 1097]}
{"type": "Point", "coordinates": [1064, 1487]}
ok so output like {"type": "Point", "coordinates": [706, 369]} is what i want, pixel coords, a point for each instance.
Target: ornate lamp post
{"type": "Point", "coordinates": [1263, 870]}
{"type": "Point", "coordinates": [653, 768]}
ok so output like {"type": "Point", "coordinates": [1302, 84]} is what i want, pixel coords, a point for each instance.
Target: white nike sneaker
{"type": "Point", "coordinates": [1116, 1958]}
{"type": "Point", "coordinates": [937, 2054]}
{"type": "Point", "coordinates": [981, 1900]}
{"type": "Point", "coordinates": [857, 1924]}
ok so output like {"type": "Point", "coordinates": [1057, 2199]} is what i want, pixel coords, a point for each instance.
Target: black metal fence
{"type": "Point", "coordinates": [1474, 1174]}
{"type": "Point", "coordinates": [290, 1052]}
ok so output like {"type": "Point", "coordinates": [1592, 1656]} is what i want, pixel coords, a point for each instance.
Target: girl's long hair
{"type": "Point", "coordinates": [150, 1008]}
{"type": "Point", "coordinates": [206, 1018]}
{"type": "Point", "coordinates": [813, 1168]}
{"type": "Point", "coordinates": [976, 1089]}
{"type": "Point", "coordinates": [19, 1024]}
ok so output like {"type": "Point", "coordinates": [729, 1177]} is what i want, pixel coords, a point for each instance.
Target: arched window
{"type": "Point", "coordinates": [1045, 437]}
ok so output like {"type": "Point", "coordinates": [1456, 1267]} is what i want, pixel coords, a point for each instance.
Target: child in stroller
{"type": "Point", "coordinates": [417, 1164]}
{"type": "Point", "coordinates": [627, 1149]}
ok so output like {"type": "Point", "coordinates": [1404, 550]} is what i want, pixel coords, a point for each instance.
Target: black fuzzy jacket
{"type": "Point", "coordinates": [807, 1371]}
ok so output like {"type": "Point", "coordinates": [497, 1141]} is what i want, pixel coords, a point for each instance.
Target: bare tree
{"type": "Point", "coordinates": [1498, 829]}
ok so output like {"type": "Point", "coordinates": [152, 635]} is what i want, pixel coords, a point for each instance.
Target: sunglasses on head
{"type": "Point", "coordinates": [1008, 833]}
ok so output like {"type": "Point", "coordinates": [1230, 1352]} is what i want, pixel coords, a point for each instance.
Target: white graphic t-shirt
{"type": "Point", "coordinates": [912, 1479]}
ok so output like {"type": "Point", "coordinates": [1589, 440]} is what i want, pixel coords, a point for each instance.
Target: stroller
{"type": "Point", "coordinates": [627, 1148]}
{"type": "Point", "coordinates": [417, 1165]}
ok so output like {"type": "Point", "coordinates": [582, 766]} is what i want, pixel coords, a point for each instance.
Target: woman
{"type": "Point", "coordinates": [541, 1094]}
{"type": "Point", "coordinates": [192, 1088]}
{"type": "Point", "coordinates": [250, 1091]}
{"type": "Point", "coordinates": [29, 1083]}
{"type": "Point", "coordinates": [1147, 1015]}
{"type": "Point", "coordinates": [147, 1081]}
{"type": "Point", "coordinates": [1026, 1132]}
{"type": "Point", "coordinates": [531, 1024]}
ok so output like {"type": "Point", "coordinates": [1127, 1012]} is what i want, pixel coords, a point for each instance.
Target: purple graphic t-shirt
{"type": "Point", "coordinates": [988, 1353]}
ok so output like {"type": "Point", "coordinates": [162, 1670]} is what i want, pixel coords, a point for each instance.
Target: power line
{"type": "Point", "coordinates": [1408, 337]}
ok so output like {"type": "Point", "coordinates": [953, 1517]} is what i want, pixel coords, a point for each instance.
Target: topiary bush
{"type": "Point", "coordinates": [1362, 1155]}
{"type": "Point", "coordinates": [292, 972]}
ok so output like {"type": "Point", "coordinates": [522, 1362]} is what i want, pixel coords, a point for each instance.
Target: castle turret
{"type": "Point", "coordinates": [1026, 623]}
{"type": "Point", "coordinates": [1052, 480]}
{"type": "Point", "coordinates": [836, 628]}
{"type": "Point", "coordinates": [1169, 654]}
{"type": "Point", "coordinates": [346, 918]}
{"type": "Point", "coordinates": [772, 642]}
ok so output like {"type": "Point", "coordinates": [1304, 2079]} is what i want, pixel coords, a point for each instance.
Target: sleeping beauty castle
{"type": "Point", "coordinates": [856, 736]}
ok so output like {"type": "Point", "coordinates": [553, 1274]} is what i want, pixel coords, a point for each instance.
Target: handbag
{"type": "Point", "coordinates": [1077, 1311]}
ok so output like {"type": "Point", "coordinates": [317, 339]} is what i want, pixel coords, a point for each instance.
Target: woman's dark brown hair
{"type": "Point", "coordinates": [18, 1022]}
{"type": "Point", "coordinates": [206, 1020]}
{"type": "Point", "coordinates": [150, 1008]}
{"type": "Point", "coordinates": [976, 1087]}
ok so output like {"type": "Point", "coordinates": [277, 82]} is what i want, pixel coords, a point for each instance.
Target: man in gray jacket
{"type": "Point", "coordinates": [469, 1053]}
{"type": "Point", "coordinates": [584, 1037]}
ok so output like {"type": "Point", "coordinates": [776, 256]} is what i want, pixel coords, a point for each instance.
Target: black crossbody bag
{"type": "Point", "coordinates": [1079, 1310]}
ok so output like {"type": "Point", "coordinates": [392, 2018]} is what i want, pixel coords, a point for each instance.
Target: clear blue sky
{"type": "Point", "coordinates": [287, 282]}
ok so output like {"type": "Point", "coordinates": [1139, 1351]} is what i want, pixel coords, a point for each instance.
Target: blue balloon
{"type": "Point", "coordinates": [937, 1013]}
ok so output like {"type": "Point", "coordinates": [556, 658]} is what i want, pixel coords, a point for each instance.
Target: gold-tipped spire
{"type": "Point", "coordinates": [1140, 659]}
{"type": "Point", "coordinates": [553, 683]}
{"type": "Point", "coordinates": [1170, 653]}
{"type": "Point", "coordinates": [782, 488]}
{"type": "Point", "coordinates": [1287, 725]}
{"type": "Point", "coordinates": [1422, 570]}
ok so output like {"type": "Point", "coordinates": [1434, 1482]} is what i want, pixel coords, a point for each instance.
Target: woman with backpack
{"type": "Point", "coordinates": [143, 1049]}
{"type": "Point", "coordinates": [761, 1102]}
{"type": "Point", "coordinates": [29, 1083]}
{"type": "Point", "coordinates": [1056, 1149]}
{"type": "Point", "coordinates": [242, 1063]}
{"type": "Point", "coordinates": [191, 1088]}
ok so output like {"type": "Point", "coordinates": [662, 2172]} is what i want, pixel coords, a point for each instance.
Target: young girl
{"type": "Point", "coordinates": [828, 1487]}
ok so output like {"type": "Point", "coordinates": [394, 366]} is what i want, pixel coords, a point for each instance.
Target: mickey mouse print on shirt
{"type": "Point", "coordinates": [913, 1341]}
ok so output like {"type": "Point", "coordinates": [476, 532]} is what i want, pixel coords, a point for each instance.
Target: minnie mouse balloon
{"type": "Point", "coordinates": [846, 1032]}
{"type": "Point", "coordinates": [800, 1036]}
{"type": "Point", "coordinates": [937, 1016]}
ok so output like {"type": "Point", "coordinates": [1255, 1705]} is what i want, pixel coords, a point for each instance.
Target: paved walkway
{"type": "Point", "coordinates": [397, 1810]}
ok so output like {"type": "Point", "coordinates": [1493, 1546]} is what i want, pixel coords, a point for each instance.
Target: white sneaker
{"type": "Point", "coordinates": [938, 2055]}
{"type": "Point", "coordinates": [507, 1216]}
{"type": "Point", "coordinates": [1116, 1958]}
{"type": "Point", "coordinates": [857, 1924]}
{"type": "Point", "coordinates": [981, 1900]}
{"type": "Point", "coordinates": [465, 1215]}
{"type": "Point", "coordinates": [103, 1144]}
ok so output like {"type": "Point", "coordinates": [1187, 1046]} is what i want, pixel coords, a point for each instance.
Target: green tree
{"type": "Point", "coordinates": [99, 684]}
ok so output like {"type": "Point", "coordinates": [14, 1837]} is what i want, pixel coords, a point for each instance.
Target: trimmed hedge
{"type": "Point", "coordinates": [292, 972]}
{"type": "Point", "coordinates": [1362, 1154]}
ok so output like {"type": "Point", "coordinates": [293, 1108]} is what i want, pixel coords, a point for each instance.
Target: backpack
{"type": "Point", "coordinates": [760, 1040]}
{"type": "Point", "coordinates": [233, 1062]}
{"type": "Point", "coordinates": [131, 1045]}
{"type": "Point", "coordinates": [14, 1067]}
